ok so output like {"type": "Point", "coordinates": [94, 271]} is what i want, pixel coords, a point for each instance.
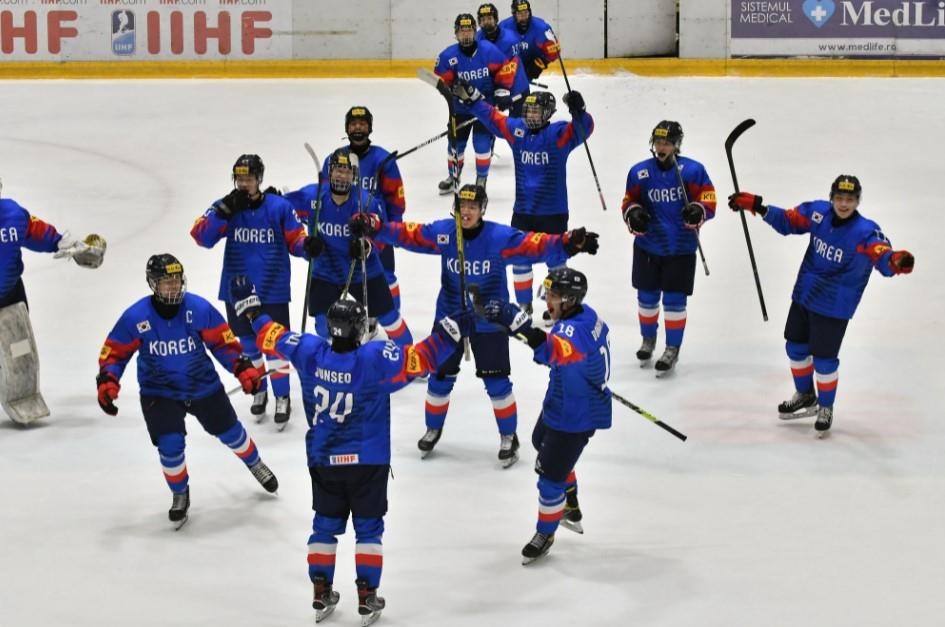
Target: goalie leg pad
{"type": "Point", "coordinates": [19, 367]}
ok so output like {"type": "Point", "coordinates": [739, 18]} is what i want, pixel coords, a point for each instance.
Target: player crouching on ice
{"type": "Point", "coordinates": [171, 331]}
{"type": "Point", "coordinates": [19, 361]}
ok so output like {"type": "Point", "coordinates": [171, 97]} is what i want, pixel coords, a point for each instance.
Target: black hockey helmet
{"type": "Point", "coordinates": [162, 266]}
{"type": "Point", "coordinates": [568, 283]}
{"type": "Point", "coordinates": [347, 320]}
{"type": "Point", "coordinates": [463, 20]}
{"type": "Point", "coordinates": [487, 9]}
{"type": "Point", "coordinates": [476, 193]}
{"type": "Point", "coordinates": [359, 112]}
{"type": "Point", "coordinates": [670, 131]}
{"type": "Point", "coordinates": [521, 5]}
{"type": "Point", "coordinates": [340, 159]}
{"type": "Point", "coordinates": [249, 165]}
{"type": "Point", "coordinates": [545, 102]}
{"type": "Point", "coordinates": [846, 184]}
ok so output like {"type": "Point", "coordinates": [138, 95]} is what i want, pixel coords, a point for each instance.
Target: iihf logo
{"type": "Point", "coordinates": [123, 32]}
{"type": "Point", "coordinates": [818, 12]}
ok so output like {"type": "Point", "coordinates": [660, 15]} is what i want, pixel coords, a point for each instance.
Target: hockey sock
{"type": "Point", "coordinates": [802, 366]}
{"type": "Point", "coordinates": [171, 451]}
{"type": "Point", "coordinates": [438, 400]}
{"type": "Point", "coordinates": [368, 550]}
{"type": "Point", "coordinates": [648, 311]}
{"type": "Point", "coordinates": [674, 317]}
{"type": "Point", "coordinates": [500, 393]}
{"type": "Point", "coordinates": [394, 287]}
{"type": "Point", "coordinates": [322, 546]}
{"type": "Point", "coordinates": [240, 443]}
{"type": "Point", "coordinates": [396, 328]}
{"type": "Point", "coordinates": [280, 378]}
{"type": "Point", "coordinates": [826, 376]}
{"type": "Point", "coordinates": [483, 161]}
{"type": "Point", "coordinates": [522, 280]}
{"type": "Point", "coordinates": [550, 505]}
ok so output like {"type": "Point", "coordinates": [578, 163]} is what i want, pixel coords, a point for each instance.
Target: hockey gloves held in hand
{"type": "Point", "coordinates": [503, 99]}
{"type": "Point", "coordinates": [637, 219]}
{"type": "Point", "coordinates": [108, 388]}
{"type": "Point", "coordinates": [231, 204]}
{"type": "Point", "coordinates": [243, 297]}
{"type": "Point", "coordinates": [313, 246]}
{"type": "Point", "coordinates": [746, 201]}
{"type": "Point", "coordinates": [575, 102]}
{"type": "Point", "coordinates": [466, 93]}
{"type": "Point", "coordinates": [360, 248]}
{"type": "Point", "coordinates": [87, 253]}
{"type": "Point", "coordinates": [507, 314]}
{"type": "Point", "coordinates": [456, 326]}
{"type": "Point", "coordinates": [580, 241]}
{"type": "Point", "coordinates": [902, 261]}
{"type": "Point", "coordinates": [693, 215]}
{"type": "Point", "coordinates": [365, 224]}
{"type": "Point", "coordinates": [249, 375]}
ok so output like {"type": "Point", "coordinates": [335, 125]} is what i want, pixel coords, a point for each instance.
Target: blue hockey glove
{"type": "Point", "coordinates": [243, 297]}
{"type": "Point", "coordinates": [507, 314]}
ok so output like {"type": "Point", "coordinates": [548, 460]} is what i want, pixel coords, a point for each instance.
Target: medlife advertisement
{"type": "Point", "coordinates": [838, 28]}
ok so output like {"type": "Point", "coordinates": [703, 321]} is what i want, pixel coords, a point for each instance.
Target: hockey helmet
{"type": "Point", "coordinates": [160, 268]}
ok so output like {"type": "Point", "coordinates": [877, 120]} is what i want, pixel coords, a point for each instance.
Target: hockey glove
{"type": "Point", "coordinates": [108, 388]}
{"type": "Point", "coordinates": [503, 99]}
{"type": "Point", "coordinates": [534, 69]}
{"type": "Point", "coordinates": [243, 297]}
{"type": "Point", "coordinates": [365, 224]}
{"type": "Point", "coordinates": [902, 261]}
{"type": "Point", "coordinates": [575, 102]}
{"type": "Point", "coordinates": [466, 93]}
{"type": "Point", "coordinates": [456, 326]}
{"type": "Point", "coordinates": [249, 375]}
{"type": "Point", "coordinates": [746, 201]}
{"type": "Point", "coordinates": [508, 315]}
{"type": "Point", "coordinates": [313, 246]}
{"type": "Point", "coordinates": [693, 215]}
{"type": "Point", "coordinates": [637, 219]}
{"type": "Point", "coordinates": [580, 241]}
{"type": "Point", "coordinates": [231, 204]}
{"type": "Point", "coordinates": [360, 248]}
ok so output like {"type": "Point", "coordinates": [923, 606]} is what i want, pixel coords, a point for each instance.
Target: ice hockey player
{"type": "Point", "coordinates": [505, 41]}
{"type": "Point", "coordinates": [19, 368]}
{"type": "Point", "coordinates": [261, 231]}
{"type": "Point", "coordinates": [486, 68]}
{"type": "Point", "coordinates": [348, 442]}
{"type": "Point", "coordinates": [338, 254]}
{"type": "Point", "coordinates": [171, 331]}
{"type": "Point", "coordinates": [488, 249]}
{"type": "Point", "coordinates": [540, 149]}
{"type": "Point", "coordinates": [576, 404]}
{"type": "Point", "coordinates": [666, 236]}
{"type": "Point", "coordinates": [844, 249]}
{"type": "Point", "coordinates": [537, 45]}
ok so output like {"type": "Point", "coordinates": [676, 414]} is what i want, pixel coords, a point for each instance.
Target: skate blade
{"type": "Point", "coordinates": [369, 619]}
{"type": "Point", "coordinates": [508, 463]}
{"type": "Point", "coordinates": [821, 435]}
{"type": "Point", "coordinates": [180, 523]}
{"type": "Point", "coordinates": [529, 560]}
{"type": "Point", "coordinates": [425, 454]}
{"type": "Point", "coordinates": [662, 373]}
{"type": "Point", "coordinates": [570, 525]}
{"type": "Point", "coordinates": [260, 418]}
{"type": "Point", "coordinates": [804, 413]}
{"type": "Point", "coordinates": [644, 363]}
{"type": "Point", "coordinates": [280, 426]}
{"type": "Point", "coordinates": [321, 615]}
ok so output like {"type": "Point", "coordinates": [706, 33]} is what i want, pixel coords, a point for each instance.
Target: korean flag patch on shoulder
{"type": "Point", "coordinates": [519, 132]}
{"type": "Point", "coordinates": [817, 217]}
{"type": "Point", "coordinates": [144, 326]}
{"type": "Point", "coordinates": [453, 61]}
{"type": "Point", "coordinates": [443, 239]}
{"type": "Point", "coordinates": [643, 174]}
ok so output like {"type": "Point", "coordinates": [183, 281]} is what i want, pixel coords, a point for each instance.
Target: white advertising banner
{"type": "Point", "coordinates": [144, 30]}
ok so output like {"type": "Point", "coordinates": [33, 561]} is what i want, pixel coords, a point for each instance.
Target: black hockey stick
{"type": "Point", "coordinates": [432, 79]}
{"type": "Point", "coordinates": [356, 168]}
{"type": "Point", "coordinates": [314, 215]}
{"type": "Point", "coordinates": [239, 387]}
{"type": "Point", "coordinates": [729, 143]}
{"type": "Point", "coordinates": [685, 195]}
{"type": "Point", "coordinates": [581, 135]}
{"type": "Point", "coordinates": [397, 154]}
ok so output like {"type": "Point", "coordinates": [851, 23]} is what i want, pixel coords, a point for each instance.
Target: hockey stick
{"type": "Point", "coordinates": [685, 195]}
{"type": "Point", "coordinates": [312, 229]}
{"type": "Point", "coordinates": [581, 135]}
{"type": "Point", "coordinates": [397, 154]}
{"type": "Point", "coordinates": [729, 143]}
{"type": "Point", "coordinates": [537, 84]}
{"type": "Point", "coordinates": [356, 167]}
{"type": "Point", "coordinates": [432, 79]}
{"type": "Point", "coordinates": [236, 389]}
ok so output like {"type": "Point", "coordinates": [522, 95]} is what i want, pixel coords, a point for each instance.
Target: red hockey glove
{"type": "Point", "coordinates": [902, 261]}
{"type": "Point", "coordinates": [108, 388]}
{"type": "Point", "coordinates": [365, 224]}
{"type": "Point", "coordinates": [250, 377]}
{"type": "Point", "coordinates": [746, 201]}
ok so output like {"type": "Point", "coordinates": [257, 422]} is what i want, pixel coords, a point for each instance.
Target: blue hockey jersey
{"type": "Point", "coordinates": [536, 43]}
{"type": "Point", "coordinates": [390, 191]}
{"type": "Point", "coordinates": [18, 230]}
{"type": "Point", "coordinates": [486, 69]}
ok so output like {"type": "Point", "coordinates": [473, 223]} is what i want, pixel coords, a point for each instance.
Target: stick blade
{"type": "Point", "coordinates": [737, 132]}
{"type": "Point", "coordinates": [427, 76]}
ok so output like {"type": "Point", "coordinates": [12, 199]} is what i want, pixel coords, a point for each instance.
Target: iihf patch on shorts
{"type": "Point", "coordinates": [340, 460]}
{"type": "Point", "coordinates": [442, 238]}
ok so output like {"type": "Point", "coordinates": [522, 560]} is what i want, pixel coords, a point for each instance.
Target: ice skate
{"type": "Point", "coordinates": [571, 517]}
{"type": "Point", "coordinates": [645, 352]}
{"type": "Point", "coordinates": [446, 186]}
{"type": "Point", "coordinates": [264, 476]}
{"type": "Point", "coordinates": [179, 506]}
{"type": "Point", "coordinates": [481, 181]}
{"type": "Point", "coordinates": [667, 362]}
{"type": "Point", "coordinates": [325, 599]}
{"type": "Point", "coordinates": [283, 411]}
{"type": "Point", "coordinates": [801, 405]}
{"type": "Point", "coordinates": [369, 604]}
{"type": "Point", "coordinates": [508, 450]}
{"type": "Point", "coordinates": [824, 420]}
{"type": "Point", "coordinates": [258, 408]}
{"type": "Point", "coordinates": [428, 441]}
{"type": "Point", "coordinates": [538, 546]}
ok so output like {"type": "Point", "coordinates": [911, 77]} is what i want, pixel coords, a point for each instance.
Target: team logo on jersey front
{"type": "Point", "coordinates": [144, 326]}
{"type": "Point", "coordinates": [817, 217]}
